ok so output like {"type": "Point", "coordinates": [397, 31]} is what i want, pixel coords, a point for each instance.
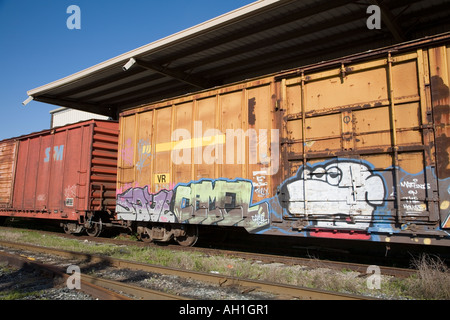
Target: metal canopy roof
{"type": "Point", "coordinates": [260, 38]}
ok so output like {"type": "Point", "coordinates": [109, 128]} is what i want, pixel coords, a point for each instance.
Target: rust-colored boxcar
{"type": "Point", "coordinates": [64, 173]}
{"type": "Point", "coordinates": [355, 148]}
{"type": "Point", "coordinates": [7, 164]}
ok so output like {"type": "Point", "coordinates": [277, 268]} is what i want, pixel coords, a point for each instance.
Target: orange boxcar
{"type": "Point", "coordinates": [355, 148]}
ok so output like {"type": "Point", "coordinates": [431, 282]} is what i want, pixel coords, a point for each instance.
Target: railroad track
{"type": "Point", "coordinates": [338, 265]}
{"type": "Point", "coordinates": [221, 280]}
{"type": "Point", "coordinates": [99, 288]}
{"type": "Point", "coordinates": [267, 258]}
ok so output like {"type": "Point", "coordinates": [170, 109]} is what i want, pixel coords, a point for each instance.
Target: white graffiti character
{"type": "Point", "coordinates": [338, 194]}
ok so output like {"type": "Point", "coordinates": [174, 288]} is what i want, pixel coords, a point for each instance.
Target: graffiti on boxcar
{"type": "Point", "coordinates": [338, 198]}
{"type": "Point", "coordinates": [349, 198]}
{"type": "Point", "coordinates": [333, 193]}
{"type": "Point", "coordinates": [220, 201]}
{"type": "Point", "coordinates": [415, 191]}
{"type": "Point", "coordinates": [261, 185]}
{"type": "Point", "coordinates": [144, 152]}
{"type": "Point", "coordinates": [445, 205]}
{"type": "Point", "coordinates": [127, 153]}
{"type": "Point", "coordinates": [125, 187]}
{"type": "Point", "coordinates": [146, 206]}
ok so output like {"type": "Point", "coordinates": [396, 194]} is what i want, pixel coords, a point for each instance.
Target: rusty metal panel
{"type": "Point", "coordinates": [327, 91]}
{"type": "Point", "coordinates": [7, 171]}
{"type": "Point", "coordinates": [360, 147]}
{"type": "Point", "coordinates": [184, 115]}
{"type": "Point", "coordinates": [204, 162]}
{"type": "Point", "coordinates": [210, 158]}
{"type": "Point", "coordinates": [259, 152]}
{"type": "Point", "coordinates": [144, 147]}
{"type": "Point", "coordinates": [232, 117]}
{"type": "Point", "coordinates": [440, 96]}
{"type": "Point", "coordinates": [125, 173]}
{"type": "Point", "coordinates": [162, 158]}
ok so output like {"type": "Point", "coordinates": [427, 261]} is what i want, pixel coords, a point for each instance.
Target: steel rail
{"type": "Point", "coordinates": [337, 265]}
{"type": "Point", "coordinates": [138, 293]}
{"type": "Point", "coordinates": [102, 289]}
{"type": "Point", "coordinates": [89, 288]}
{"type": "Point", "coordinates": [276, 288]}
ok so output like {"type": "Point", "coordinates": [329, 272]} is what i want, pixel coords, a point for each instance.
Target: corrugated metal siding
{"type": "Point", "coordinates": [440, 94]}
{"type": "Point", "coordinates": [7, 171]}
{"type": "Point", "coordinates": [104, 167]}
{"type": "Point", "coordinates": [68, 116]}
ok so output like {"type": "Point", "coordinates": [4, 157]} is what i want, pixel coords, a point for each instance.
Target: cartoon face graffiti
{"type": "Point", "coordinates": [342, 194]}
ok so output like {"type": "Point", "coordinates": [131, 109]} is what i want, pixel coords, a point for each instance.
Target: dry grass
{"type": "Point", "coordinates": [432, 280]}
{"type": "Point", "coordinates": [10, 236]}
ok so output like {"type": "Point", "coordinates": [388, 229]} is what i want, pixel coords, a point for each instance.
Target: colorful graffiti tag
{"type": "Point", "coordinates": [141, 205]}
{"type": "Point", "coordinates": [348, 197]}
{"type": "Point", "coordinates": [219, 202]}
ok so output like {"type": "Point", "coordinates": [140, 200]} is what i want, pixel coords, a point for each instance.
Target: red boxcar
{"type": "Point", "coordinates": [66, 173]}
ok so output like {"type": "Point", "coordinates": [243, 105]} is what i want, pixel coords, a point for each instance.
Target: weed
{"type": "Point", "coordinates": [17, 295]}
{"type": "Point", "coordinates": [432, 280]}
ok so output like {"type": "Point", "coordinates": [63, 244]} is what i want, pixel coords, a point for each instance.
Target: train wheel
{"type": "Point", "coordinates": [190, 236]}
{"type": "Point", "coordinates": [72, 228]}
{"type": "Point", "coordinates": [95, 228]}
{"type": "Point", "coordinates": [144, 235]}
{"type": "Point", "coordinates": [66, 229]}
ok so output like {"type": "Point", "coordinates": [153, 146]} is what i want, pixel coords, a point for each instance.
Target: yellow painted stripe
{"type": "Point", "coordinates": [190, 143]}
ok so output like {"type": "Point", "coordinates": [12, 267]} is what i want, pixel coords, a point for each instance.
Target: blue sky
{"type": "Point", "coordinates": [36, 47]}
